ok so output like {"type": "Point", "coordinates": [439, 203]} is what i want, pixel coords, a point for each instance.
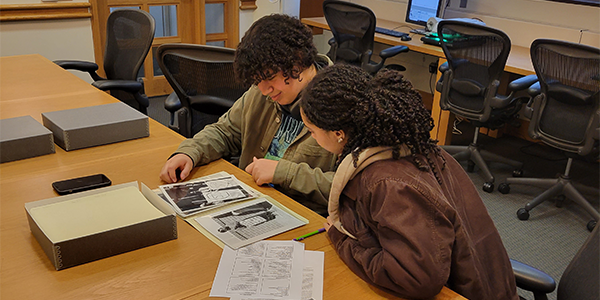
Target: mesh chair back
{"type": "Point", "coordinates": [476, 55]}
{"type": "Point", "coordinates": [353, 28]}
{"type": "Point", "coordinates": [582, 276]}
{"type": "Point", "coordinates": [130, 33]}
{"type": "Point", "coordinates": [569, 77]}
{"type": "Point", "coordinates": [202, 76]}
{"type": "Point", "coordinates": [129, 36]}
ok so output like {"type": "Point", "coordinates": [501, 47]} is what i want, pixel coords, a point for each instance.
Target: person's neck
{"type": "Point", "coordinates": [308, 74]}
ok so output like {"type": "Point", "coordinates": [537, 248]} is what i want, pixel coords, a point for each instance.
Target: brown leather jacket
{"type": "Point", "coordinates": [414, 236]}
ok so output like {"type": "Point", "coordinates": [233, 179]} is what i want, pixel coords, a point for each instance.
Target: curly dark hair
{"type": "Point", "coordinates": [384, 110]}
{"type": "Point", "coordinates": [274, 43]}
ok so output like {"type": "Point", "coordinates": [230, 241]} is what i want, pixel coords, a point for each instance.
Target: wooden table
{"type": "Point", "coordinates": [518, 62]}
{"type": "Point", "coordinates": [180, 269]}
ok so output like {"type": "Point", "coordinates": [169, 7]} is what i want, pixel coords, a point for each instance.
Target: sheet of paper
{"type": "Point", "coordinates": [248, 222]}
{"type": "Point", "coordinates": [191, 197]}
{"type": "Point", "coordinates": [312, 278]}
{"type": "Point", "coordinates": [266, 269]}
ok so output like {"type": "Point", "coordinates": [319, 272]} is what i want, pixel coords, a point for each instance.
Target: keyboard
{"type": "Point", "coordinates": [453, 41]}
{"type": "Point", "coordinates": [431, 40]}
{"type": "Point", "coordinates": [390, 32]}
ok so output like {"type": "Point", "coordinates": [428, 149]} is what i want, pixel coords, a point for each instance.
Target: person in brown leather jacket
{"type": "Point", "coordinates": [277, 58]}
{"type": "Point", "coordinates": [403, 214]}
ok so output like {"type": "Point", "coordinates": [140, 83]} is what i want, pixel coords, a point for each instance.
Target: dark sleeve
{"type": "Point", "coordinates": [407, 250]}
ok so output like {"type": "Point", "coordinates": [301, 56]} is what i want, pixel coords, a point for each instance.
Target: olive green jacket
{"type": "Point", "coordinates": [304, 173]}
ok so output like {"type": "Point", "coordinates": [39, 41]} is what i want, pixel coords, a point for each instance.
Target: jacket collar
{"type": "Point", "coordinates": [347, 171]}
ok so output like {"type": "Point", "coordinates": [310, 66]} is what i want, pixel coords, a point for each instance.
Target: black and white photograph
{"type": "Point", "coordinates": [248, 222]}
{"type": "Point", "coordinates": [192, 197]}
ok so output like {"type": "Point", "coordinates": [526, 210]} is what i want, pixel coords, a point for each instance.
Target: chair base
{"type": "Point", "coordinates": [554, 187]}
{"type": "Point", "coordinates": [477, 157]}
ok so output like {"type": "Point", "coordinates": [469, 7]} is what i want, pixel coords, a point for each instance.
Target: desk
{"type": "Point", "coordinates": [518, 63]}
{"type": "Point", "coordinates": [178, 269]}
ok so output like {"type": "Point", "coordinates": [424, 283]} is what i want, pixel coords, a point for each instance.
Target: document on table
{"type": "Point", "coordinates": [263, 270]}
{"type": "Point", "coordinates": [248, 222]}
{"type": "Point", "coordinates": [312, 278]}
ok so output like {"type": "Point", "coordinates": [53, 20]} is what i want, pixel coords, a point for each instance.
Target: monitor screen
{"type": "Point", "coordinates": [419, 11]}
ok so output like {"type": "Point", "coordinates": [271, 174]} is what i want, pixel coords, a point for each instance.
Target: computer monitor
{"type": "Point", "coordinates": [419, 11]}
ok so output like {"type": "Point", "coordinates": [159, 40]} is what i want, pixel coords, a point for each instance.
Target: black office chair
{"type": "Point", "coordinates": [565, 115]}
{"type": "Point", "coordinates": [203, 80]}
{"type": "Point", "coordinates": [129, 36]}
{"type": "Point", "coordinates": [469, 84]}
{"type": "Point", "coordinates": [580, 280]}
{"type": "Point", "coordinates": [353, 28]}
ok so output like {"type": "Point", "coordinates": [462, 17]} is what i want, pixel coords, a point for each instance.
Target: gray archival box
{"type": "Point", "coordinates": [96, 125]}
{"type": "Point", "coordinates": [24, 137]}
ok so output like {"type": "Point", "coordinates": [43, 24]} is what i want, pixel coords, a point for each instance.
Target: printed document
{"type": "Point", "coordinates": [265, 269]}
{"type": "Point", "coordinates": [245, 223]}
{"type": "Point", "coordinates": [312, 278]}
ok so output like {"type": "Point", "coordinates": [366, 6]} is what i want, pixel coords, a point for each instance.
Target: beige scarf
{"type": "Point", "coordinates": [346, 172]}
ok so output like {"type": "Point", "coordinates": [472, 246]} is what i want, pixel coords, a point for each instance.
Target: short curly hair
{"type": "Point", "coordinates": [274, 43]}
{"type": "Point", "coordinates": [384, 110]}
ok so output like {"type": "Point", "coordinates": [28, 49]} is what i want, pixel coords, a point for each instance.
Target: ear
{"type": "Point", "coordinates": [340, 134]}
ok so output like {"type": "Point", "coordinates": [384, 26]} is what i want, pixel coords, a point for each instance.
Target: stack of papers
{"type": "Point", "coordinates": [270, 270]}
{"type": "Point", "coordinates": [225, 210]}
{"type": "Point", "coordinates": [191, 197]}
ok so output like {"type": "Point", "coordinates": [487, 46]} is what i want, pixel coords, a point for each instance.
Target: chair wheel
{"type": "Point", "coordinates": [591, 224]}
{"type": "Point", "coordinates": [560, 200]}
{"type": "Point", "coordinates": [470, 166]}
{"type": "Point", "coordinates": [488, 187]}
{"type": "Point", "coordinates": [517, 173]}
{"type": "Point", "coordinates": [504, 188]}
{"type": "Point", "coordinates": [522, 214]}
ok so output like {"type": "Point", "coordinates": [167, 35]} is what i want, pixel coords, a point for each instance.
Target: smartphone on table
{"type": "Point", "coordinates": [80, 184]}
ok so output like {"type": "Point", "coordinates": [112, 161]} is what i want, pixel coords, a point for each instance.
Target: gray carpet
{"type": "Point", "coordinates": [552, 235]}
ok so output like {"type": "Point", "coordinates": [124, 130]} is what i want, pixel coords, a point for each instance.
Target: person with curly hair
{"type": "Point", "coordinates": [277, 58]}
{"type": "Point", "coordinates": [403, 214]}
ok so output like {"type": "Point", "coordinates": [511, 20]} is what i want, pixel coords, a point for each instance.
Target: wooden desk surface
{"type": "Point", "coordinates": [178, 269]}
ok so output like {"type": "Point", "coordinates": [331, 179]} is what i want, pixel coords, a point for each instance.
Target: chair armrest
{"type": "Point", "coordinates": [211, 104]}
{"type": "Point", "coordinates": [172, 103]}
{"type": "Point", "coordinates": [522, 83]}
{"type": "Point", "coordinates": [331, 41]}
{"type": "Point", "coordinates": [130, 86]}
{"type": "Point", "coordinates": [535, 89]}
{"type": "Point", "coordinates": [444, 67]}
{"type": "Point", "coordinates": [532, 279]}
{"type": "Point", "coordinates": [83, 66]}
{"type": "Point", "coordinates": [392, 51]}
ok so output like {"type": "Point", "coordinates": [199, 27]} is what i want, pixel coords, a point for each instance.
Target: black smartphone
{"type": "Point", "coordinates": [79, 184]}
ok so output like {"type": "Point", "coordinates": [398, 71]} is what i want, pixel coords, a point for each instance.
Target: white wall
{"type": "Point", "coordinates": [265, 7]}
{"type": "Point", "coordinates": [53, 39]}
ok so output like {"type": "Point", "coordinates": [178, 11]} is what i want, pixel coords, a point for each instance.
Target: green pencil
{"type": "Point", "coordinates": [309, 234]}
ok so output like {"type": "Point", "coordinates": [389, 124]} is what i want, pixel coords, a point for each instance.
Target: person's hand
{"type": "Point", "coordinates": [328, 224]}
{"type": "Point", "coordinates": [262, 170]}
{"type": "Point", "coordinates": [179, 162]}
